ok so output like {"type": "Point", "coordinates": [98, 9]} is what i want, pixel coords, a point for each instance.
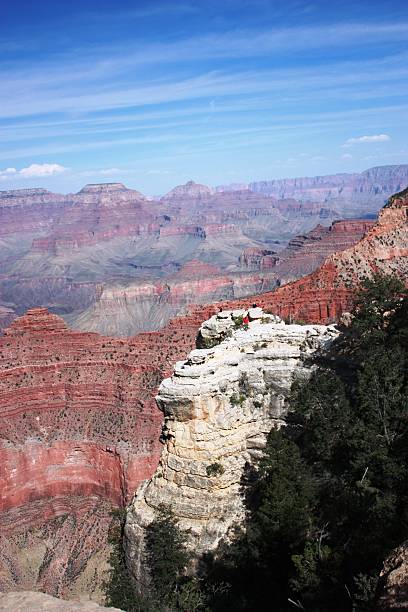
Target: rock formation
{"type": "Point", "coordinates": [29, 210]}
{"type": "Point", "coordinates": [189, 190]}
{"type": "Point", "coordinates": [28, 601]}
{"type": "Point", "coordinates": [323, 295]}
{"type": "Point", "coordinates": [304, 253]}
{"type": "Point", "coordinates": [79, 431]}
{"type": "Point", "coordinates": [219, 406]}
{"type": "Point", "coordinates": [124, 310]}
{"type": "Point", "coordinates": [393, 584]}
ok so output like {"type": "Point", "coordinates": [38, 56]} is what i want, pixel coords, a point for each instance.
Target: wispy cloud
{"type": "Point", "coordinates": [221, 85]}
{"type": "Point", "coordinates": [357, 76]}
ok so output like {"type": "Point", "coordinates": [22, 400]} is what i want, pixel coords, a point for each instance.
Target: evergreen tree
{"type": "Point", "coordinates": [166, 553]}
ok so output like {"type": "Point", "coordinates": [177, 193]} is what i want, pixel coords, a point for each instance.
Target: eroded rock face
{"type": "Point", "coordinates": [219, 406]}
{"type": "Point", "coordinates": [189, 190]}
{"type": "Point", "coordinates": [328, 292]}
{"type": "Point", "coordinates": [394, 581]}
{"type": "Point", "coordinates": [78, 433]}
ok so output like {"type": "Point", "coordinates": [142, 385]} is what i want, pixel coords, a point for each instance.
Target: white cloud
{"type": "Point", "coordinates": [8, 172]}
{"type": "Point", "coordinates": [40, 170]}
{"type": "Point", "coordinates": [372, 138]}
{"type": "Point", "coordinates": [346, 156]}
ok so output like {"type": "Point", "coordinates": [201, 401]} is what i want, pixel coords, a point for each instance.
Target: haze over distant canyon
{"type": "Point", "coordinates": [109, 259]}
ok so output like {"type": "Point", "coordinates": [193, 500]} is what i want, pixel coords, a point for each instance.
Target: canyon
{"type": "Point", "coordinates": [79, 426]}
{"type": "Point", "coordinates": [111, 260]}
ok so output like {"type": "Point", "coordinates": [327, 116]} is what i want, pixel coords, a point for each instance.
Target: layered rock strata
{"type": "Point", "coordinates": [219, 405]}
{"type": "Point", "coordinates": [65, 252]}
{"type": "Point", "coordinates": [328, 292]}
{"type": "Point", "coordinates": [353, 192]}
{"type": "Point", "coordinates": [78, 433]}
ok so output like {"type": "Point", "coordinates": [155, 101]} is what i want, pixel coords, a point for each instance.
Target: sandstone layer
{"type": "Point", "coordinates": [219, 406]}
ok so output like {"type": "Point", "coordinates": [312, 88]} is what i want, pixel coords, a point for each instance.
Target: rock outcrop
{"type": "Point", "coordinates": [219, 406]}
{"type": "Point", "coordinates": [393, 584]}
{"type": "Point", "coordinates": [189, 190]}
{"type": "Point", "coordinates": [29, 601]}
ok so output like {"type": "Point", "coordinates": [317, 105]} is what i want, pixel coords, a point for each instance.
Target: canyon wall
{"type": "Point", "coordinates": [124, 310]}
{"type": "Point", "coordinates": [323, 295]}
{"type": "Point", "coordinates": [78, 433]}
{"type": "Point", "coordinates": [356, 193]}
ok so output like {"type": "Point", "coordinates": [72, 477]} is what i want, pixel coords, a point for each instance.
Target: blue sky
{"type": "Point", "coordinates": [156, 93]}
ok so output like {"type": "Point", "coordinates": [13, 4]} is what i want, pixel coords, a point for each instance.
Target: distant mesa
{"type": "Point", "coordinates": [189, 190]}
{"type": "Point", "coordinates": [19, 193]}
{"type": "Point", "coordinates": [103, 188]}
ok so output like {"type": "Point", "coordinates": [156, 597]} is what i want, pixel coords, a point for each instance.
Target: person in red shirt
{"type": "Point", "coordinates": [245, 320]}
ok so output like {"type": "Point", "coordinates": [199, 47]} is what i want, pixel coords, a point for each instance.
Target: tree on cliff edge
{"type": "Point", "coordinates": [166, 559]}
{"type": "Point", "coordinates": [330, 499]}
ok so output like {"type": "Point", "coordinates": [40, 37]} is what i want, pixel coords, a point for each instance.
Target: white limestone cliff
{"type": "Point", "coordinates": [219, 406]}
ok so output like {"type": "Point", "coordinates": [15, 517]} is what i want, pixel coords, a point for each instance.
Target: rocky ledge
{"type": "Point", "coordinates": [29, 601]}
{"type": "Point", "coordinates": [219, 406]}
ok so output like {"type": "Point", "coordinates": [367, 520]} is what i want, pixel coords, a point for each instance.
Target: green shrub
{"type": "Point", "coordinates": [215, 469]}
